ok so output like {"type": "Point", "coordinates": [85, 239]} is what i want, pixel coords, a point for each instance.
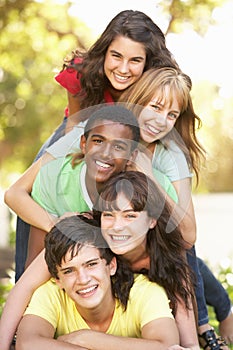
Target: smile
{"type": "Point", "coordinates": [120, 238]}
{"type": "Point", "coordinates": [103, 165]}
{"type": "Point", "coordinates": [152, 129]}
{"type": "Point", "coordinates": [87, 290]}
{"type": "Point", "coordinates": [120, 77]}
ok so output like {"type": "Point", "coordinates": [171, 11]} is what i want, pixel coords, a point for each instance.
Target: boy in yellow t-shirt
{"type": "Point", "coordinates": [94, 301]}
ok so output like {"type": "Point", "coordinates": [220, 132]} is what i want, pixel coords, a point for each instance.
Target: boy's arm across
{"type": "Point", "coordinates": [155, 336]}
{"type": "Point", "coordinates": [39, 332]}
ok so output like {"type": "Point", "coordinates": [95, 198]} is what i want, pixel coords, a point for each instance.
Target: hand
{"type": "Point", "coordinates": [142, 163]}
{"type": "Point", "coordinates": [179, 347]}
{"type": "Point", "coordinates": [68, 214]}
{"type": "Point", "coordinates": [75, 337]}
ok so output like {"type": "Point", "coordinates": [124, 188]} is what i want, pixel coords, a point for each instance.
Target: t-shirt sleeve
{"type": "Point", "coordinates": [44, 303]}
{"type": "Point", "coordinates": [68, 78]}
{"type": "Point", "coordinates": [45, 185]}
{"type": "Point", "coordinates": [171, 161]}
{"type": "Point", "coordinates": [67, 144]}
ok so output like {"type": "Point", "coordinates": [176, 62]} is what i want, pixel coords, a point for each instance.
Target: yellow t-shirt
{"type": "Point", "coordinates": [148, 301]}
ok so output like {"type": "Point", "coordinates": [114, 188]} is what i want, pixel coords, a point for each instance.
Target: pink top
{"type": "Point", "coordinates": [70, 80]}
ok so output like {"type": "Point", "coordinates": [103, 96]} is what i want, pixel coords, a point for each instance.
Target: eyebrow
{"type": "Point", "coordinates": [113, 140]}
{"type": "Point", "coordinates": [162, 105]}
{"type": "Point", "coordinates": [138, 57]}
{"type": "Point", "coordinates": [85, 263]}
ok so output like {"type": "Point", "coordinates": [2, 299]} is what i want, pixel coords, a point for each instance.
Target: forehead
{"type": "Point", "coordinates": [82, 255]}
{"type": "Point", "coordinates": [111, 130]}
{"type": "Point", "coordinates": [127, 47]}
{"type": "Point", "coordinates": [169, 97]}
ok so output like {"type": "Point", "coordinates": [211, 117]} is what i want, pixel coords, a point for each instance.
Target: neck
{"type": "Point", "coordinates": [100, 317]}
{"type": "Point", "coordinates": [138, 258]}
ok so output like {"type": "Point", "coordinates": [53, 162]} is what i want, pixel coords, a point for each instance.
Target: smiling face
{"type": "Point", "coordinates": [158, 117]}
{"type": "Point", "coordinates": [124, 62]}
{"type": "Point", "coordinates": [106, 154]}
{"type": "Point", "coordinates": [125, 230]}
{"type": "Point", "coordinates": [86, 278]}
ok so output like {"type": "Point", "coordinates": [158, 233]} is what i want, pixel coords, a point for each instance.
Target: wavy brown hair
{"type": "Point", "coordinates": [168, 265]}
{"type": "Point", "coordinates": [134, 25]}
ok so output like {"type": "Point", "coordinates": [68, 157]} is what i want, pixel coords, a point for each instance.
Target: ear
{"type": "Point", "coordinates": [132, 157]}
{"type": "Point", "coordinates": [58, 283]}
{"type": "Point", "coordinates": [113, 266]}
{"type": "Point", "coordinates": [83, 142]}
{"type": "Point", "coordinates": [153, 223]}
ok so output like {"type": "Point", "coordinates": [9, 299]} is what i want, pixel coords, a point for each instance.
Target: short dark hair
{"type": "Point", "coordinates": [117, 114]}
{"type": "Point", "coordinates": [71, 234]}
{"type": "Point", "coordinates": [74, 232]}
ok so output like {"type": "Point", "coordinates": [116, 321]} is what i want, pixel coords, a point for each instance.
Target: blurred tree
{"type": "Point", "coordinates": [195, 14]}
{"type": "Point", "coordinates": [34, 39]}
{"type": "Point", "coordinates": [216, 135]}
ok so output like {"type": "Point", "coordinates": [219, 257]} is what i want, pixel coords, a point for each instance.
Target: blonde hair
{"type": "Point", "coordinates": [156, 81]}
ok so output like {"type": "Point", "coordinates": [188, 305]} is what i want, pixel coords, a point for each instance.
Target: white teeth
{"type": "Point", "coordinates": [151, 128]}
{"type": "Point", "coordinates": [103, 165]}
{"type": "Point", "coordinates": [87, 290]}
{"type": "Point", "coordinates": [120, 77]}
{"type": "Point", "coordinates": [120, 238]}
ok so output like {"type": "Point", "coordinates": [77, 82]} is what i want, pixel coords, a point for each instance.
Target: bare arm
{"type": "Point", "coordinates": [155, 336]}
{"type": "Point", "coordinates": [186, 323]}
{"type": "Point", "coordinates": [187, 222]}
{"type": "Point", "coordinates": [18, 198]}
{"type": "Point", "coordinates": [36, 333]}
{"type": "Point", "coordinates": [74, 108]}
{"type": "Point", "coordinates": [36, 274]}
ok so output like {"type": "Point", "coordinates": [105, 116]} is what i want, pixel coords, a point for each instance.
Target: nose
{"type": "Point", "coordinates": [118, 224]}
{"type": "Point", "coordinates": [161, 119]}
{"type": "Point", "coordinates": [82, 277]}
{"type": "Point", "coordinates": [106, 150]}
{"type": "Point", "coordinates": [123, 67]}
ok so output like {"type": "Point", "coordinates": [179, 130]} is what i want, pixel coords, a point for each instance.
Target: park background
{"type": "Point", "coordinates": [35, 36]}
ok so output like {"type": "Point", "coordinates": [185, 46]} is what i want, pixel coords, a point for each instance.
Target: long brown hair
{"type": "Point", "coordinates": [134, 25]}
{"type": "Point", "coordinates": [168, 266]}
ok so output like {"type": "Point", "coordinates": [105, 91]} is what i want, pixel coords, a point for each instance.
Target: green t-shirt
{"type": "Point", "coordinates": [59, 188]}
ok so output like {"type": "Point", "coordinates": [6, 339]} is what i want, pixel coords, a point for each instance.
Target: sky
{"type": "Point", "coordinates": [203, 58]}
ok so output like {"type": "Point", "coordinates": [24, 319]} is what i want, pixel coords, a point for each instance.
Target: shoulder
{"type": "Point", "coordinates": [171, 160]}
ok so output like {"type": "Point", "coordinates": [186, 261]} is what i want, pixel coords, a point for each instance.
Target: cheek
{"type": "Point", "coordinates": [137, 71]}
{"type": "Point", "coordinates": [170, 124]}
{"type": "Point", "coordinates": [108, 63]}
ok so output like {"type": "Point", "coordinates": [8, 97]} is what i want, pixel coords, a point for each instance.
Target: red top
{"type": "Point", "coordinates": [71, 82]}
